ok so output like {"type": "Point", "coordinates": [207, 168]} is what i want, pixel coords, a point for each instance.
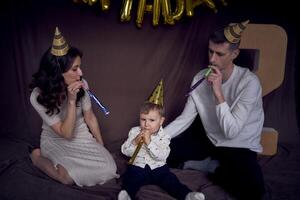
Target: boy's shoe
{"type": "Point", "coordinates": [123, 195]}
{"type": "Point", "coordinates": [195, 196]}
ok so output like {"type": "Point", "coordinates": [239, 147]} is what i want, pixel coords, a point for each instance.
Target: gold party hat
{"type": "Point", "coordinates": [233, 32]}
{"type": "Point", "coordinates": [59, 46]}
{"type": "Point", "coordinates": [157, 95]}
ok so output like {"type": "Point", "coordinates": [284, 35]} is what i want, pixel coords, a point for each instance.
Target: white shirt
{"type": "Point", "coordinates": [154, 154]}
{"type": "Point", "coordinates": [237, 122]}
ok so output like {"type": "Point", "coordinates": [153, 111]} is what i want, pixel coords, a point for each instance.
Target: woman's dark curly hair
{"type": "Point", "coordinates": [50, 81]}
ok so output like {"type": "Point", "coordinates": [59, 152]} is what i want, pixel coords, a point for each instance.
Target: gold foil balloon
{"type": "Point", "coordinates": [148, 8]}
{"type": "Point", "coordinates": [140, 13]}
{"type": "Point", "coordinates": [179, 10]}
{"type": "Point", "coordinates": [80, 1]}
{"type": "Point", "coordinates": [210, 4]}
{"type": "Point", "coordinates": [126, 10]}
{"type": "Point", "coordinates": [105, 4]}
{"type": "Point", "coordinates": [169, 16]}
{"type": "Point", "coordinates": [166, 11]}
{"type": "Point", "coordinates": [157, 8]}
{"type": "Point", "coordinates": [143, 7]}
{"type": "Point", "coordinates": [224, 3]}
{"type": "Point", "coordinates": [191, 4]}
{"type": "Point", "coordinates": [90, 2]}
{"type": "Point", "coordinates": [156, 12]}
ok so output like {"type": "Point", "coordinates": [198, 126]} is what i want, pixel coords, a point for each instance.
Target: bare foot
{"type": "Point", "coordinates": [64, 176]}
{"type": "Point", "coordinates": [35, 154]}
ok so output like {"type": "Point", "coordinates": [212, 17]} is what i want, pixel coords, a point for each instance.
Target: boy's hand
{"type": "Point", "coordinates": [146, 136]}
{"type": "Point", "coordinates": [138, 138]}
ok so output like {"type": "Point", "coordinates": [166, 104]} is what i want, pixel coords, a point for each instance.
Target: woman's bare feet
{"type": "Point", "coordinates": [58, 173]}
{"type": "Point", "coordinates": [63, 175]}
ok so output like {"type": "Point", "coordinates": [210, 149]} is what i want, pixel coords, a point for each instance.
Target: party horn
{"type": "Point", "coordinates": [102, 107]}
{"type": "Point", "coordinates": [92, 96]}
{"type": "Point", "coordinates": [136, 151]}
{"type": "Point", "coordinates": [208, 71]}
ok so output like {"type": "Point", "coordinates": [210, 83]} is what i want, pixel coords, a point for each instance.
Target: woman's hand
{"type": "Point", "coordinates": [73, 89]}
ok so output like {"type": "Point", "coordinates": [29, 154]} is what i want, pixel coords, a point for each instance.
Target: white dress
{"type": "Point", "coordinates": [87, 162]}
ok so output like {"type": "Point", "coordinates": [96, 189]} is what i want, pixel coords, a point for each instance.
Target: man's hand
{"type": "Point", "coordinates": [215, 79]}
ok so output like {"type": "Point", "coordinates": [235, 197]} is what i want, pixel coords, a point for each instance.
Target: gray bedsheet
{"type": "Point", "coordinates": [19, 179]}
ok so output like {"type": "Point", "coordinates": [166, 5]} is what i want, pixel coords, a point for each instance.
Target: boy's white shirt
{"type": "Point", "coordinates": [154, 154]}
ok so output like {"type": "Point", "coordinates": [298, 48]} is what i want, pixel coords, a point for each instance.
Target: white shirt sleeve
{"type": "Point", "coordinates": [184, 120]}
{"type": "Point", "coordinates": [128, 147]}
{"type": "Point", "coordinates": [233, 119]}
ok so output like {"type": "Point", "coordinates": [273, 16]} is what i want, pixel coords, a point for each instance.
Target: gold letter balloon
{"type": "Point", "coordinates": [104, 3]}
{"type": "Point", "coordinates": [126, 10]}
{"type": "Point", "coordinates": [157, 8]}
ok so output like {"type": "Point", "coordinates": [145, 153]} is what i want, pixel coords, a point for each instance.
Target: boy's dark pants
{"type": "Point", "coordinates": [135, 177]}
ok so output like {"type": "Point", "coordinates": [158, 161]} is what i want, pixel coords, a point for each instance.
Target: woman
{"type": "Point", "coordinates": [72, 148]}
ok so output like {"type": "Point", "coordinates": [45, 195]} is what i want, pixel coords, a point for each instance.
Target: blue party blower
{"type": "Point", "coordinates": [96, 100]}
{"type": "Point", "coordinates": [102, 107]}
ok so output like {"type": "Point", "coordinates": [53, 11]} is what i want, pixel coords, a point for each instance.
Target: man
{"type": "Point", "coordinates": [229, 103]}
